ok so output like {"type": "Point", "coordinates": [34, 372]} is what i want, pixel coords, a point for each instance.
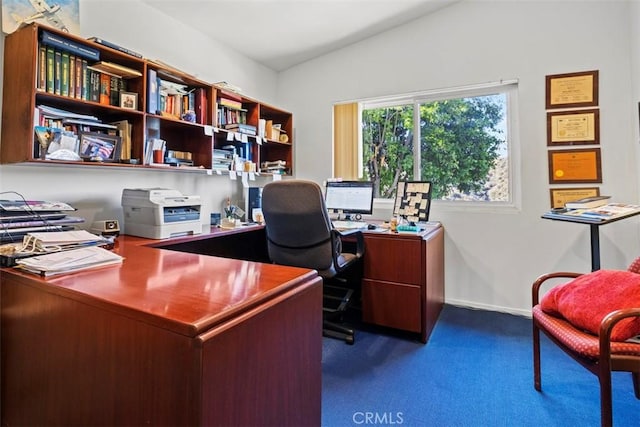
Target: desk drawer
{"type": "Point", "coordinates": [395, 305]}
{"type": "Point", "coordinates": [393, 258]}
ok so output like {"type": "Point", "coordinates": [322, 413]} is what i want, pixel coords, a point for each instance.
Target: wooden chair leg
{"type": "Point", "coordinates": [536, 357]}
{"type": "Point", "coordinates": [636, 384]}
{"type": "Point", "coordinates": [606, 411]}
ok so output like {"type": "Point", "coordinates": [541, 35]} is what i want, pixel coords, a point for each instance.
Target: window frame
{"type": "Point", "coordinates": [507, 87]}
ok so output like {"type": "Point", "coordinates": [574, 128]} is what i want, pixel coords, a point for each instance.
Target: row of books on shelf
{"type": "Point", "coordinates": [62, 73]}
{"type": "Point", "coordinates": [176, 100]}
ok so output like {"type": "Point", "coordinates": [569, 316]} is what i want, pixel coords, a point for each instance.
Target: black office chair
{"type": "Point", "coordinates": [300, 234]}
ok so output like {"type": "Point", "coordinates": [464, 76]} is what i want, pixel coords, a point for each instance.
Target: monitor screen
{"type": "Point", "coordinates": [349, 197]}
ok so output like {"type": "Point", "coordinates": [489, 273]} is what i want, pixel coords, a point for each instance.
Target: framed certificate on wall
{"type": "Point", "coordinates": [575, 166]}
{"type": "Point", "coordinates": [572, 90]}
{"type": "Point", "coordinates": [576, 127]}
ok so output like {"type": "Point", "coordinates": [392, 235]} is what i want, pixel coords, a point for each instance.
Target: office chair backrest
{"type": "Point", "coordinates": [298, 228]}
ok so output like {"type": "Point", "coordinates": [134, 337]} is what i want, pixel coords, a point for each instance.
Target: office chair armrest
{"type": "Point", "coordinates": [350, 234]}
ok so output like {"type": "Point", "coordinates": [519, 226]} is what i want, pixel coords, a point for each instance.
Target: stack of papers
{"type": "Point", "coordinates": [61, 240]}
{"type": "Point", "coordinates": [69, 261]}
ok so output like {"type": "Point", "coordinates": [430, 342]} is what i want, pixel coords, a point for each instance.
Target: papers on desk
{"type": "Point", "coordinates": [61, 240]}
{"type": "Point", "coordinates": [69, 261]}
{"type": "Point", "coordinates": [348, 225]}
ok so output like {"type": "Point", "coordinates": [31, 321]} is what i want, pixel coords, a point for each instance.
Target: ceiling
{"type": "Point", "coordinates": [282, 33]}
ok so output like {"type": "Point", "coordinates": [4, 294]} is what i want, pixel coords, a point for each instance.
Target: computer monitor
{"type": "Point", "coordinates": [413, 201]}
{"type": "Point", "coordinates": [351, 198]}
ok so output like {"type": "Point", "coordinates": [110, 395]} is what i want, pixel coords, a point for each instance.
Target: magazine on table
{"type": "Point", "coordinates": [604, 212]}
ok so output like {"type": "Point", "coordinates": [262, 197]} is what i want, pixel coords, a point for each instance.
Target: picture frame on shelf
{"type": "Point", "coordinates": [99, 147]}
{"type": "Point", "coordinates": [129, 100]}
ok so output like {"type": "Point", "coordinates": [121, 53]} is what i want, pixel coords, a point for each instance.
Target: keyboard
{"type": "Point", "coordinates": [348, 225]}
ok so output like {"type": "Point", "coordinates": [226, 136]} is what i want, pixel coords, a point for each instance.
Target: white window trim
{"type": "Point", "coordinates": [513, 141]}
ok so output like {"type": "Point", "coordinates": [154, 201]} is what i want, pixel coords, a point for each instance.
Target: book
{"type": "Point", "coordinates": [51, 69]}
{"type": "Point", "coordinates": [86, 81]}
{"type": "Point", "coordinates": [57, 75]}
{"type": "Point", "coordinates": [108, 44]}
{"type": "Point", "coordinates": [72, 77]}
{"type": "Point", "coordinates": [67, 45]}
{"type": "Point", "coordinates": [124, 129]}
{"type": "Point", "coordinates": [115, 69]}
{"type": "Point", "coordinates": [64, 77]}
{"type": "Point", "coordinates": [230, 103]}
{"type": "Point", "coordinates": [241, 128]}
{"type": "Point", "coordinates": [200, 106]}
{"type": "Point", "coordinates": [94, 85]}
{"type": "Point", "coordinates": [152, 91]}
{"type": "Point", "coordinates": [78, 78]}
{"type": "Point", "coordinates": [587, 202]}
{"type": "Point", "coordinates": [105, 89]}
{"type": "Point", "coordinates": [42, 67]}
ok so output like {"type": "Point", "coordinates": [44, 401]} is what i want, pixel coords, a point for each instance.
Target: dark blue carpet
{"type": "Point", "coordinates": [476, 370]}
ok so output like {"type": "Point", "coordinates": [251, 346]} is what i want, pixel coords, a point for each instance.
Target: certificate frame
{"type": "Point", "coordinates": [560, 196]}
{"type": "Point", "coordinates": [573, 127]}
{"type": "Point", "coordinates": [570, 90]}
{"type": "Point", "coordinates": [575, 166]}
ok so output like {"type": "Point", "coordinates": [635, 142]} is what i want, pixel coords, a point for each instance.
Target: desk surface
{"type": "Point", "coordinates": [152, 283]}
{"type": "Point", "coordinates": [167, 338]}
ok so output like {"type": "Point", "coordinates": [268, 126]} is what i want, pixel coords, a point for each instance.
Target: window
{"type": "Point", "coordinates": [458, 139]}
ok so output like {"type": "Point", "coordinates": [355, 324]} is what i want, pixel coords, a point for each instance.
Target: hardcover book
{"type": "Point", "coordinates": [105, 89]}
{"type": "Point", "coordinates": [57, 75]}
{"type": "Point", "coordinates": [70, 46]}
{"type": "Point", "coordinates": [152, 84]}
{"type": "Point", "coordinates": [51, 70]}
{"type": "Point", "coordinates": [587, 202]}
{"type": "Point", "coordinates": [106, 43]}
{"type": "Point", "coordinates": [64, 77]}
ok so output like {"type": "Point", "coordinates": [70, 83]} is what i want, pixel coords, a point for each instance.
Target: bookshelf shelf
{"type": "Point", "coordinates": [170, 105]}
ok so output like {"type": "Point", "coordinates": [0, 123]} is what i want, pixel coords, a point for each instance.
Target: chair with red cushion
{"type": "Point", "coordinates": [591, 319]}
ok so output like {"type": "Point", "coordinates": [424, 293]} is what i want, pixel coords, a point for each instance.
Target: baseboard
{"type": "Point", "coordinates": [488, 307]}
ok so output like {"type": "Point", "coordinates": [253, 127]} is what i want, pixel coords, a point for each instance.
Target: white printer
{"type": "Point", "coordinates": [160, 213]}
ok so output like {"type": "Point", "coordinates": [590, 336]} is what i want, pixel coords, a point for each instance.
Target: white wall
{"type": "Point", "coordinates": [492, 258]}
{"type": "Point", "coordinates": [96, 191]}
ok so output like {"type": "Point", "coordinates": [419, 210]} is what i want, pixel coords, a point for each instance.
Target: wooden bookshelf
{"type": "Point", "coordinates": [186, 119]}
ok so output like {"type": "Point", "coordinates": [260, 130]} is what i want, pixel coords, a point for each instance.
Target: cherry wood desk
{"type": "Point", "coordinates": [403, 273]}
{"type": "Point", "coordinates": [167, 338]}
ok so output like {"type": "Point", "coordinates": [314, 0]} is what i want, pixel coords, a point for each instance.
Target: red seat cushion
{"type": "Point", "coordinates": [582, 343]}
{"type": "Point", "coordinates": [587, 299]}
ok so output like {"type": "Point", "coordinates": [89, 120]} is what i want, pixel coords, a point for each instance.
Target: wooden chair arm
{"type": "Point", "coordinates": [535, 289]}
{"type": "Point", "coordinates": [611, 319]}
{"type": "Point", "coordinates": [604, 336]}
